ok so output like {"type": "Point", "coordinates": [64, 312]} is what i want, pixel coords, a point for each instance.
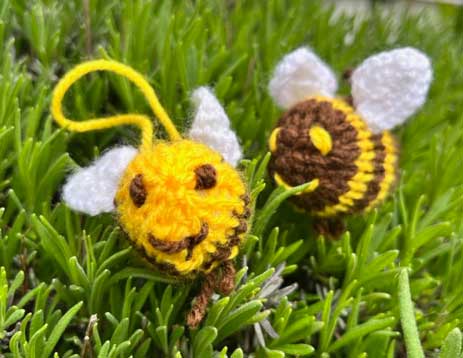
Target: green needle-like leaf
{"type": "Point", "coordinates": [407, 317]}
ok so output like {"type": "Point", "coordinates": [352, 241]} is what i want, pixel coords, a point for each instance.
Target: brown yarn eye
{"type": "Point", "coordinates": [206, 177]}
{"type": "Point", "coordinates": [137, 191]}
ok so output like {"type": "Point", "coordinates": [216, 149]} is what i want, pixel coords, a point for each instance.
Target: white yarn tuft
{"type": "Point", "coordinates": [91, 190]}
{"type": "Point", "coordinates": [389, 87]}
{"type": "Point", "coordinates": [301, 74]}
{"type": "Point", "coordinates": [211, 126]}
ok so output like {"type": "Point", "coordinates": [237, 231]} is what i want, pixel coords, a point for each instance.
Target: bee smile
{"type": "Point", "coordinates": [189, 242]}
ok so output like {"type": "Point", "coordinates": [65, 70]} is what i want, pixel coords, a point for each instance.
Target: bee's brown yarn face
{"type": "Point", "coordinates": [350, 173]}
{"type": "Point", "coordinates": [298, 161]}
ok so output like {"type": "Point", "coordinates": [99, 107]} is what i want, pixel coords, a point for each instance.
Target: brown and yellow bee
{"type": "Point", "coordinates": [343, 148]}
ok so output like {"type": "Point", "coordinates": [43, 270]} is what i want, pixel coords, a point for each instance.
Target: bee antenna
{"type": "Point", "coordinates": [142, 121]}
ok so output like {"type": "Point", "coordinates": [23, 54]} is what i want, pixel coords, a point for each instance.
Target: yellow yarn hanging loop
{"type": "Point", "coordinates": [142, 121]}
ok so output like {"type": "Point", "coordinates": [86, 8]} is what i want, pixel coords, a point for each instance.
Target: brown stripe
{"type": "Point", "coordinates": [374, 187]}
{"type": "Point", "coordinates": [246, 199]}
{"type": "Point", "coordinates": [166, 268]}
{"type": "Point", "coordinates": [245, 215]}
{"type": "Point", "coordinates": [242, 227]}
{"type": "Point", "coordinates": [224, 251]}
{"type": "Point", "coordinates": [171, 247]}
{"type": "Point", "coordinates": [297, 160]}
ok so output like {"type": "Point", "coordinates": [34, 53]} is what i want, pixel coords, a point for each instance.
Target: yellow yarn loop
{"type": "Point", "coordinates": [142, 121]}
{"type": "Point", "coordinates": [321, 139]}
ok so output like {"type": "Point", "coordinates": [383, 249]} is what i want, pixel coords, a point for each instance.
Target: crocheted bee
{"type": "Point", "coordinates": [343, 149]}
{"type": "Point", "coordinates": [181, 202]}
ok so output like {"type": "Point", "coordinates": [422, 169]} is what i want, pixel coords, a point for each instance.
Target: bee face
{"type": "Point", "coordinates": [325, 140]}
{"type": "Point", "coordinates": [183, 205]}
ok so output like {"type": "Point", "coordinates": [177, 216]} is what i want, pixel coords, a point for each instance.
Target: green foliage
{"type": "Point", "coordinates": [71, 286]}
{"type": "Point", "coordinates": [407, 315]}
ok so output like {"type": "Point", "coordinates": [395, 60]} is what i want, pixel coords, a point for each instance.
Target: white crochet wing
{"type": "Point", "coordinates": [301, 74]}
{"type": "Point", "coordinates": [211, 126]}
{"type": "Point", "coordinates": [389, 87]}
{"type": "Point", "coordinates": [91, 190]}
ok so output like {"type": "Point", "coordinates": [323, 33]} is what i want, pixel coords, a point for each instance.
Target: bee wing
{"type": "Point", "coordinates": [211, 126]}
{"type": "Point", "coordinates": [389, 87]}
{"type": "Point", "coordinates": [301, 74]}
{"type": "Point", "coordinates": [91, 190]}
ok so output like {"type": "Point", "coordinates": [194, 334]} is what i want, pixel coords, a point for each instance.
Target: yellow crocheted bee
{"type": "Point", "coordinates": [343, 147]}
{"type": "Point", "coordinates": [182, 203]}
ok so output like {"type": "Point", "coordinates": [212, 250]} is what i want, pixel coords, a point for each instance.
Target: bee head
{"type": "Point", "coordinates": [182, 202]}
{"type": "Point", "coordinates": [179, 202]}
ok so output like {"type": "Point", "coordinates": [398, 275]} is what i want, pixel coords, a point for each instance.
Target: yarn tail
{"type": "Point", "coordinates": [211, 284]}
{"type": "Point", "coordinates": [196, 315]}
{"type": "Point", "coordinates": [331, 228]}
{"type": "Point", "coordinates": [227, 282]}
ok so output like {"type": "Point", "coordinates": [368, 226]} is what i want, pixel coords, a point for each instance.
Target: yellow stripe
{"type": "Point", "coordinates": [272, 141]}
{"type": "Point", "coordinates": [310, 188]}
{"type": "Point", "coordinates": [389, 169]}
{"type": "Point", "coordinates": [359, 182]}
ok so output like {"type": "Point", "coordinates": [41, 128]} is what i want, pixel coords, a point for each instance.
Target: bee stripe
{"type": "Point", "coordinates": [374, 185]}
{"type": "Point", "coordinates": [390, 172]}
{"type": "Point", "coordinates": [359, 182]}
{"type": "Point", "coordinates": [310, 188]}
{"type": "Point", "coordinates": [272, 142]}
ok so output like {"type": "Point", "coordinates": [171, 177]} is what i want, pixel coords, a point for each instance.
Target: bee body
{"type": "Point", "coordinates": [345, 153]}
{"type": "Point", "coordinates": [183, 207]}
{"type": "Point", "coordinates": [182, 203]}
{"type": "Point", "coordinates": [324, 139]}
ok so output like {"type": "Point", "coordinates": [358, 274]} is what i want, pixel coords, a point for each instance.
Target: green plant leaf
{"type": "Point", "coordinates": [452, 345]}
{"type": "Point", "coordinates": [58, 330]}
{"type": "Point", "coordinates": [407, 317]}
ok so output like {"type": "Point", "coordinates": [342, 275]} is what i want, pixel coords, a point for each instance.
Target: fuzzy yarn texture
{"type": "Point", "coordinates": [343, 150]}
{"type": "Point", "coordinates": [212, 126]}
{"type": "Point", "coordinates": [324, 139]}
{"type": "Point", "coordinates": [299, 75]}
{"type": "Point", "coordinates": [224, 283]}
{"type": "Point", "coordinates": [182, 203]}
{"type": "Point", "coordinates": [180, 225]}
{"type": "Point", "coordinates": [139, 120]}
{"type": "Point", "coordinates": [91, 190]}
{"type": "Point", "coordinates": [389, 87]}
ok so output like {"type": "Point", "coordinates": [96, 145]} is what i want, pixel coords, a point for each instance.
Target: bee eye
{"type": "Point", "coordinates": [321, 139]}
{"type": "Point", "coordinates": [137, 190]}
{"type": "Point", "coordinates": [206, 177]}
